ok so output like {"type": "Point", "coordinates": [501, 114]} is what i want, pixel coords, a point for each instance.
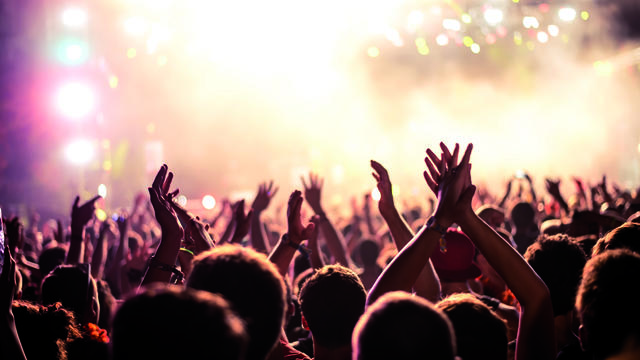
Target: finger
{"type": "Point", "coordinates": [270, 187]}
{"type": "Point", "coordinates": [308, 231]}
{"type": "Point", "coordinates": [432, 185]}
{"type": "Point", "coordinates": [321, 183]}
{"type": "Point", "coordinates": [249, 216]}
{"type": "Point", "coordinates": [375, 176]}
{"type": "Point", "coordinates": [435, 175]}
{"type": "Point", "coordinates": [304, 184]}
{"type": "Point", "coordinates": [443, 164]}
{"type": "Point", "coordinates": [159, 179]}
{"type": "Point", "coordinates": [154, 197]}
{"type": "Point", "coordinates": [167, 183]}
{"type": "Point", "coordinates": [173, 194]}
{"type": "Point", "coordinates": [274, 191]}
{"type": "Point", "coordinates": [433, 157]}
{"type": "Point", "coordinates": [454, 156]}
{"type": "Point", "coordinates": [75, 202]}
{"type": "Point", "coordinates": [446, 155]}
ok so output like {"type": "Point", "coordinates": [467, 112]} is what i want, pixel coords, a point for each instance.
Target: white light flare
{"type": "Point", "coordinates": [75, 100]}
{"type": "Point", "coordinates": [79, 152]}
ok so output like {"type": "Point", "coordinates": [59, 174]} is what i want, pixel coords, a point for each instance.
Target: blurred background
{"type": "Point", "coordinates": [96, 95]}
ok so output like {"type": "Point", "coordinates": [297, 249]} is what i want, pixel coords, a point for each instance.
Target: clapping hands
{"type": "Point", "coordinates": [266, 192]}
{"type": "Point", "coordinates": [161, 200]}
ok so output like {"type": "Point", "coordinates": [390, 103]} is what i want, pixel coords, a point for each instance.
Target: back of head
{"type": "Point", "coordinates": [332, 301]}
{"type": "Point", "coordinates": [166, 323]}
{"type": "Point", "coordinates": [625, 236]}
{"type": "Point", "coordinates": [559, 262]}
{"type": "Point", "coordinates": [73, 287]}
{"type": "Point", "coordinates": [252, 286]}
{"type": "Point", "coordinates": [50, 258]}
{"type": "Point", "coordinates": [44, 330]}
{"type": "Point", "coordinates": [401, 326]}
{"type": "Point", "coordinates": [369, 252]}
{"type": "Point", "coordinates": [480, 333]}
{"type": "Point", "coordinates": [607, 303]}
{"type": "Point", "coordinates": [492, 215]}
{"type": "Point", "coordinates": [523, 215]}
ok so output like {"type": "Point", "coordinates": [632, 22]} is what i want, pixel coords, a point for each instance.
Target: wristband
{"type": "Point", "coordinates": [432, 224]}
{"type": "Point", "coordinates": [154, 263]}
{"type": "Point", "coordinates": [187, 251]}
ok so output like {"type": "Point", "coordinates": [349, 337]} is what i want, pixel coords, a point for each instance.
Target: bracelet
{"type": "Point", "coordinates": [154, 263]}
{"type": "Point", "coordinates": [301, 248]}
{"type": "Point", "coordinates": [432, 224]}
{"type": "Point", "coordinates": [187, 251]}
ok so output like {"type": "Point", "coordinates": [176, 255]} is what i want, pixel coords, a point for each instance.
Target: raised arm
{"type": "Point", "coordinates": [296, 232]}
{"type": "Point", "coordinates": [404, 269]}
{"type": "Point", "coordinates": [312, 193]}
{"type": "Point", "coordinates": [162, 264]}
{"type": "Point", "coordinates": [427, 284]}
{"type": "Point", "coordinates": [242, 222]}
{"type": "Point", "coordinates": [100, 252]}
{"type": "Point", "coordinates": [11, 347]}
{"type": "Point", "coordinates": [553, 188]}
{"type": "Point", "coordinates": [266, 192]}
{"type": "Point", "coordinates": [80, 216]}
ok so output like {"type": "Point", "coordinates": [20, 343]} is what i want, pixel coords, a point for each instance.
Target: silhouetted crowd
{"type": "Point", "coordinates": [475, 276]}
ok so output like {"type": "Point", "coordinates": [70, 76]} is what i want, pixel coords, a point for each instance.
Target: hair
{"type": "Point", "coordinates": [45, 331]}
{"type": "Point", "coordinates": [369, 252]}
{"type": "Point", "coordinates": [559, 262]}
{"type": "Point", "coordinates": [401, 326]}
{"type": "Point", "coordinates": [625, 236]}
{"type": "Point", "coordinates": [252, 286]}
{"type": "Point", "coordinates": [480, 333]}
{"type": "Point", "coordinates": [50, 258]}
{"type": "Point", "coordinates": [71, 286]}
{"type": "Point", "coordinates": [607, 303]}
{"type": "Point", "coordinates": [522, 215]}
{"type": "Point", "coordinates": [332, 300]}
{"type": "Point", "coordinates": [171, 323]}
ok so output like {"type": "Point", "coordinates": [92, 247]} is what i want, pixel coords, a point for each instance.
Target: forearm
{"type": "Point", "coordinates": [11, 347]}
{"type": "Point", "coordinates": [257, 234]}
{"type": "Point", "coordinates": [166, 254]}
{"type": "Point", "coordinates": [75, 246]}
{"type": "Point", "coordinates": [228, 232]}
{"type": "Point", "coordinates": [404, 269]}
{"type": "Point", "coordinates": [282, 255]}
{"type": "Point", "coordinates": [99, 257]}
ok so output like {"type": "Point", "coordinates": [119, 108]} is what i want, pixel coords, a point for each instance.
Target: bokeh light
{"type": "Point", "coordinates": [375, 194]}
{"type": "Point", "coordinates": [442, 39]}
{"type": "Point", "coordinates": [74, 17]}
{"type": "Point", "coordinates": [79, 152]}
{"type": "Point", "coordinates": [493, 16]}
{"type": "Point", "coordinates": [181, 200]}
{"type": "Point", "coordinates": [208, 202]}
{"type": "Point", "coordinates": [75, 100]}
{"type": "Point", "coordinates": [567, 14]}
{"type": "Point", "coordinates": [102, 190]}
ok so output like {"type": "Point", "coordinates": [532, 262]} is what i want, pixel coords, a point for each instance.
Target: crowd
{"type": "Point", "coordinates": [480, 277]}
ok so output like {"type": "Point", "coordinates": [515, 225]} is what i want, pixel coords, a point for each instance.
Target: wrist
{"type": "Point", "coordinates": [465, 218]}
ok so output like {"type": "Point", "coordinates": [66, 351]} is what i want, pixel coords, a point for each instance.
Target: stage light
{"type": "Point", "coordinates": [79, 152]}
{"type": "Point", "coordinates": [442, 39]}
{"type": "Point", "coordinates": [373, 52]}
{"type": "Point", "coordinates": [101, 215]}
{"type": "Point", "coordinates": [567, 14]}
{"type": "Point", "coordinates": [74, 17]}
{"type": "Point", "coordinates": [73, 52]}
{"type": "Point", "coordinates": [181, 200]}
{"type": "Point", "coordinates": [375, 194]}
{"type": "Point", "coordinates": [467, 41]}
{"type": "Point", "coordinates": [451, 24]}
{"type": "Point", "coordinates": [414, 20]}
{"type": "Point", "coordinates": [493, 17]}
{"type": "Point", "coordinates": [553, 30]}
{"type": "Point", "coordinates": [475, 48]}
{"type": "Point", "coordinates": [208, 202]}
{"type": "Point", "coordinates": [584, 15]}
{"type": "Point", "coordinates": [421, 45]}
{"type": "Point", "coordinates": [466, 18]}
{"type": "Point", "coordinates": [75, 100]}
{"type": "Point", "coordinates": [543, 37]}
{"type": "Point", "coordinates": [530, 22]}
{"type": "Point", "coordinates": [102, 190]}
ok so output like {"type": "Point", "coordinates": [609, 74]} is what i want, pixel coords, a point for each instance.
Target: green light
{"type": "Point", "coordinates": [467, 41]}
{"type": "Point", "coordinates": [72, 52]}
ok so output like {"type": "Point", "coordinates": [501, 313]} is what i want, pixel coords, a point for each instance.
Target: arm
{"type": "Point", "coordinates": [366, 210]}
{"type": "Point", "coordinates": [11, 347]}
{"type": "Point", "coordinates": [534, 199]}
{"type": "Point", "coordinates": [506, 194]}
{"type": "Point", "coordinates": [172, 231]}
{"type": "Point", "coordinates": [115, 272]}
{"type": "Point", "coordinates": [404, 269]}
{"type": "Point", "coordinates": [427, 284]}
{"type": "Point", "coordinates": [315, 257]}
{"type": "Point", "coordinates": [100, 252]}
{"type": "Point", "coordinates": [553, 188]}
{"type": "Point", "coordinates": [242, 221]}
{"type": "Point", "coordinates": [312, 194]}
{"type": "Point", "coordinates": [296, 233]}
{"type": "Point", "coordinates": [266, 192]}
{"type": "Point", "coordinates": [80, 216]}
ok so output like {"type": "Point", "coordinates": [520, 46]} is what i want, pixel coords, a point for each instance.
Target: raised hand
{"type": "Point", "coordinates": [553, 188]}
{"type": "Point", "coordinates": [15, 234]}
{"type": "Point", "coordinates": [296, 230]}
{"type": "Point", "coordinates": [80, 215]}
{"type": "Point", "coordinates": [161, 202]}
{"type": "Point", "coordinates": [381, 175]}
{"type": "Point", "coordinates": [242, 221]}
{"type": "Point", "coordinates": [449, 180]}
{"type": "Point", "coordinates": [313, 192]}
{"type": "Point", "coordinates": [197, 237]}
{"type": "Point", "coordinates": [266, 192]}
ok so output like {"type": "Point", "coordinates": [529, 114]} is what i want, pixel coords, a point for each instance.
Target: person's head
{"type": "Point", "coordinates": [331, 302]}
{"type": "Point", "coordinates": [559, 262]}
{"type": "Point", "coordinates": [492, 215]}
{"type": "Point", "coordinates": [607, 304]}
{"type": "Point", "coordinates": [625, 236]}
{"type": "Point", "coordinates": [480, 333]}
{"type": "Point", "coordinates": [44, 331]}
{"type": "Point", "coordinates": [401, 326]}
{"type": "Point", "coordinates": [252, 286]}
{"type": "Point", "coordinates": [523, 215]}
{"type": "Point", "coordinates": [172, 323]}
{"type": "Point", "coordinates": [369, 252]}
{"type": "Point", "coordinates": [73, 287]}
{"type": "Point", "coordinates": [50, 258]}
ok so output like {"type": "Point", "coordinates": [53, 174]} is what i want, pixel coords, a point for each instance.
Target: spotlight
{"type": "Point", "coordinates": [493, 17]}
{"type": "Point", "coordinates": [375, 194]}
{"type": "Point", "coordinates": [208, 202]}
{"type": "Point", "coordinates": [75, 100]}
{"type": "Point", "coordinates": [102, 190]}
{"type": "Point", "coordinates": [79, 152]}
{"type": "Point", "coordinates": [74, 17]}
{"type": "Point", "coordinates": [567, 14]}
